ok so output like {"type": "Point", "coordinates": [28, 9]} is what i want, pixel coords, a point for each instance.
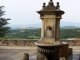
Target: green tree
{"type": "Point", "coordinates": [3, 22]}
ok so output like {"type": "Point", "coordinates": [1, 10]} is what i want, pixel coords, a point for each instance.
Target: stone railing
{"type": "Point", "coordinates": [72, 42]}
{"type": "Point", "coordinates": [30, 42]}
{"type": "Point", "coordinates": [20, 42]}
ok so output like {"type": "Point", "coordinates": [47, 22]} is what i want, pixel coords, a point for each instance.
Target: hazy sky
{"type": "Point", "coordinates": [24, 11]}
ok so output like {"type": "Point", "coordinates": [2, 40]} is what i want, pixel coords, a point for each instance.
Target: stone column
{"type": "Point", "coordinates": [45, 29]}
{"type": "Point", "coordinates": [42, 30]}
{"type": "Point", "coordinates": [58, 30]}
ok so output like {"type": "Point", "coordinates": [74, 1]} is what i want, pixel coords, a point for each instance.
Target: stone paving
{"type": "Point", "coordinates": [16, 53]}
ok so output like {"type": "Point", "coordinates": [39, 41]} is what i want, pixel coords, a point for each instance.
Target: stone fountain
{"type": "Point", "coordinates": [48, 47]}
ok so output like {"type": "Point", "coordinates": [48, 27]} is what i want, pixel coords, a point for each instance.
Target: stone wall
{"type": "Point", "coordinates": [72, 42]}
{"type": "Point", "coordinates": [26, 42]}
{"type": "Point", "coordinates": [30, 42]}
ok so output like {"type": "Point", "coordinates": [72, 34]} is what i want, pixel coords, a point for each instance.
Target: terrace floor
{"type": "Point", "coordinates": [16, 52]}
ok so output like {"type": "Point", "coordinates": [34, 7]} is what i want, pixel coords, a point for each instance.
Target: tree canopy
{"type": "Point", "coordinates": [3, 22]}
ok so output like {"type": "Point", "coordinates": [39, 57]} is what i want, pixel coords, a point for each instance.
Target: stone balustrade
{"type": "Point", "coordinates": [30, 42]}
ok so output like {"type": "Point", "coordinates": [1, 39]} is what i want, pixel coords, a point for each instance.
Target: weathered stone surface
{"type": "Point", "coordinates": [26, 56]}
{"type": "Point", "coordinates": [64, 51]}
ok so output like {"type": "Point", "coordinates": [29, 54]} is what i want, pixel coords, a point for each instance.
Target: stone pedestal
{"type": "Point", "coordinates": [53, 22]}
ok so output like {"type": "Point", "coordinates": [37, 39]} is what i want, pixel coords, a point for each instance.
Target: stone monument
{"type": "Point", "coordinates": [48, 47]}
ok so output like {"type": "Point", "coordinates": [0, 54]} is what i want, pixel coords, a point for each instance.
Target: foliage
{"type": "Point", "coordinates": [36, 33]}
{"type": "Point", "coordinates": [3, 22]}
{"type": "Point", "coordinates": [25, 34]}
{"type": "Point", "coordinates": [70, 33]}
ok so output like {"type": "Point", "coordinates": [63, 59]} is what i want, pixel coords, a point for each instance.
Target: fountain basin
{"type": "Point", "coordinates": [48, 49]}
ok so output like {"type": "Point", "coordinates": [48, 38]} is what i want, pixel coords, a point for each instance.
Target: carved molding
{"type": "Point", "coordinates": [48, 51]}
{"type": "Point", "coordinates": [48, 16]}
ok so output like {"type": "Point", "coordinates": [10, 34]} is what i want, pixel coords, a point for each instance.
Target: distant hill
{"type": "Point", "coordinates": [38, 25]}
{"type": "Point", "coordinates": [69, 27]}
{"type": "Point", "coordinates": [63, 23]}
{"type": "Point", "coordinates": [15, 26]}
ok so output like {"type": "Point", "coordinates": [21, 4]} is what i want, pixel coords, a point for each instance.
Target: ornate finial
{"type": "Point", "coordinates": [44, 4]}
{"type": "Point", "coordinates": [57, 6]}
{"type": "Point", "coordinates": [51, 2]}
